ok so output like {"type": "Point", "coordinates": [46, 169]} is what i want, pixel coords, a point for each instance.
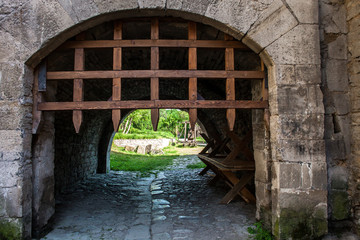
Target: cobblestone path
{"type": "Point", "coordinates": [172, 204]}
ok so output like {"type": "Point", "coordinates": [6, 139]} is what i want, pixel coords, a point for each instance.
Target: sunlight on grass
{"type": "Point", "coordinates": [137, 162]}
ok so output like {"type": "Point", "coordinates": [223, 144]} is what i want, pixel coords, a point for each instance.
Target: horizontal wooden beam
{"type": "Point", "coordinates": [155, 43]}
{"type": "Point", "coordinates": [150, 104]}
{"type": "Point", "coordinates": [63, 75]}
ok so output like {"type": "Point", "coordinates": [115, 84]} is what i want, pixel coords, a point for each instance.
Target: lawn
{"type": "Point", "coordinates": [121, 160]}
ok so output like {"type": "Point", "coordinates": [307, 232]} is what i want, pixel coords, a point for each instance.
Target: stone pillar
{"type": "Point", "coordinates": [15, 140]}
{"type": "Point", "coordinates": [335, 89]}
{"type": "Point", "coordinates": [353, 21]}
{"type": "Point", "coordinates": [262, 156]}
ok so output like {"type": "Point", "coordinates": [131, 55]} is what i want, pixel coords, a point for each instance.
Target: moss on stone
{"type": "Point", "coordinates": [10, 230]}
{"type": "Point", "coordinates": [294, 224]}
{"type": "Point", "coordinates": [340, 205]}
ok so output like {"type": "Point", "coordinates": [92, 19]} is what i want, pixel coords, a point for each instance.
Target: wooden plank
{"type": "Point", "coordinates": [78, 93]}
{"type": "Point", "coordinates": [230, 84]}
{"type": "Point", "coordinates": [192, 81]}
{"type": "Point", "coordinates": [236, 189]}
{"type": "Point", "coordinates": [207, 168]}
{"type": "Point", "coordinates": [211, 74]}
{"type": "Point", "coordinates": [155, 43]}
{"type": "Point", "coordinates": [169, 104]}
{"type": "Point", "coordinates": [36, 118]}
{"type": "Point", "coordinates": [154, 86]}
{"type": "Point", "coordinates": [244, 193]}
{"type": "Point", "coordinates": [117, 65]}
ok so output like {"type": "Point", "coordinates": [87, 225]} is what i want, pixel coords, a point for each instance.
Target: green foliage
{"type": "Point", "coordinates": [258, 233]}
{"type": "Point", "coordinates": [196, 165]}
{"type": "Point", "coordinates": [169, 120]}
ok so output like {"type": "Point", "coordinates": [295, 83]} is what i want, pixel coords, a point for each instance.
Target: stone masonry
{"type": "Point", "coordinates": [307, 161]}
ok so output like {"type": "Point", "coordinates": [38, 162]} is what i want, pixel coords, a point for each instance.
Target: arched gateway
{"type": "Point", "coordinates": [104, 59]}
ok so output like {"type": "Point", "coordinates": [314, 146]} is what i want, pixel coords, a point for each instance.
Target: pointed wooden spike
{"type": "Point", "coordinates": [192, 118]}
{"type": "Point", "coordinates": [155, 118]}
{"type": "Point", "coordinates": [77, 120]}
{"type": "Point", "coordinates": [116, 117]}
{"type": "Point", "coordinates": [230, 116]}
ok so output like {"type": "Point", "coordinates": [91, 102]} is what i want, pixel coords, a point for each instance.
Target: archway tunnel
{"type": "Point", "coordinates": [77, 156]}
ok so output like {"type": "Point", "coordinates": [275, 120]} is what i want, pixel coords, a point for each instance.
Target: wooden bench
{"type": "Point", "coordinates": [226, 166]}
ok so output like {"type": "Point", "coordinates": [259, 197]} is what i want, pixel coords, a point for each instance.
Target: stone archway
{"type": "Point", "coordinates": [290, 51]}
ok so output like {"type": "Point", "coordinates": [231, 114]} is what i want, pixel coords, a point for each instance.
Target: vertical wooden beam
{"type": "Point", "coordinates": [36, 118]}
{"type": "Point", "coordinates": [230, 84]}
{"type": "Point", "coordinates": [117, 65]}
{"type": "Point", "coordinates": [265, 97]}
{"type": "Point", "coordinates": [155, 66]}
{"type": "Point", "coordinates": [78, 94]}
{"type": "Point", "coordinates": [192, 81]}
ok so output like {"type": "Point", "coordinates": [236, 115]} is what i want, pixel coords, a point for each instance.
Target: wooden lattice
{"type": "Point", "coordinates": [79, 75]}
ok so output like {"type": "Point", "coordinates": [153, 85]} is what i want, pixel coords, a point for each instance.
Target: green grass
{"type": "Point", "coordinates": [121, 160]}
{"type": "Point", "coordinates": [196, 165]}
{"type": "Point", "coordinates": [137, 162]}
{"type": "Point", "coordinates": [143, 134]}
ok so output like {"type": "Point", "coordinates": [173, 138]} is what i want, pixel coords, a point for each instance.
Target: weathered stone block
{"type": "Point", "coordinates": [105, 6]}
{"type": "Point", "coordinates": [11, 145]}
{"type": "Point", "coordinates": [259, 136]}
{"type": "Point", "coordinates": [80, 10]}
{"type": "Point", "coordinates": [263, 203]}
{"type": "Point", "coordinates": [305, 11]}
{"type": "Point", "coordinates": [237, 14]}
{"type": "Point", "coordinates": [9, 176]}
{"type": "Point", "coordinates": [319, 175]}
{"type": "Point", "coordinates": [36, 22]}
{"type": "Point", "coordinates": [264, 33]}
{"type": "Point", "coordinates": [306, 151]}
{"type": "Point", "coordinates": [301, 215]}
{"type": "Point", "coordinates": [10, 114]}
{"type": "Point", "coordinates": [285, 74]}
{"type": "Point", "coordinates": [338, 177]}
{"type": "Point", "coordinates": [289, 175]}
{"type": "Point", "coordinates": [300, 98]}
{"type": "Point", "coordinates": [307, 74]}
{"type": "Point", "coordinates": [262, 166]}
{"type": "Point", "coordinates": [336, 75]}
{"type": "Point", "coordinates": [338, 49]}
{"type": "Point", "coordinates": [159, 4]}
{"type": "Point", "coordinates": [335, 149]}
{"type": "Point", "coordinates": [298, 46]}
{"type": "Point", "coordinates": [340, 204]}
{"type": "Point", "coordinates": [299, 126]}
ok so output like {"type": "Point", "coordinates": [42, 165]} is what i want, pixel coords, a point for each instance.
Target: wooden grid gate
{"type": "Point", "coordinates": [116, 104]}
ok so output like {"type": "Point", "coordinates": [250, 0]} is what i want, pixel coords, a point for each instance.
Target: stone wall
{"type": "Point", "coordinates": [76, 155]}
{"type": "Point", "coordinates": [353, 23]}
{"type": "Point", "coordinates": [335, 87]}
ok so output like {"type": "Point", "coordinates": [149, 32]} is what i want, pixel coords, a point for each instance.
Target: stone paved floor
{"type": "Point", "coordinates": [172, 204]}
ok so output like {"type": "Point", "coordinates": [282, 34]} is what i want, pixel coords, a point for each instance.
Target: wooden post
{"type": "Point", "coordinates": [155, 66]}
{"type": "Point", "coordinates": [230, 84]}
{"type": "Point", "coordinates": [192, 81]}
{"type": "Point", "coordinates": [78, 95]}
{"type": "Point", "coordinates": [265, 97]}
{"type": "Point", "coordinates": [117, 65]}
